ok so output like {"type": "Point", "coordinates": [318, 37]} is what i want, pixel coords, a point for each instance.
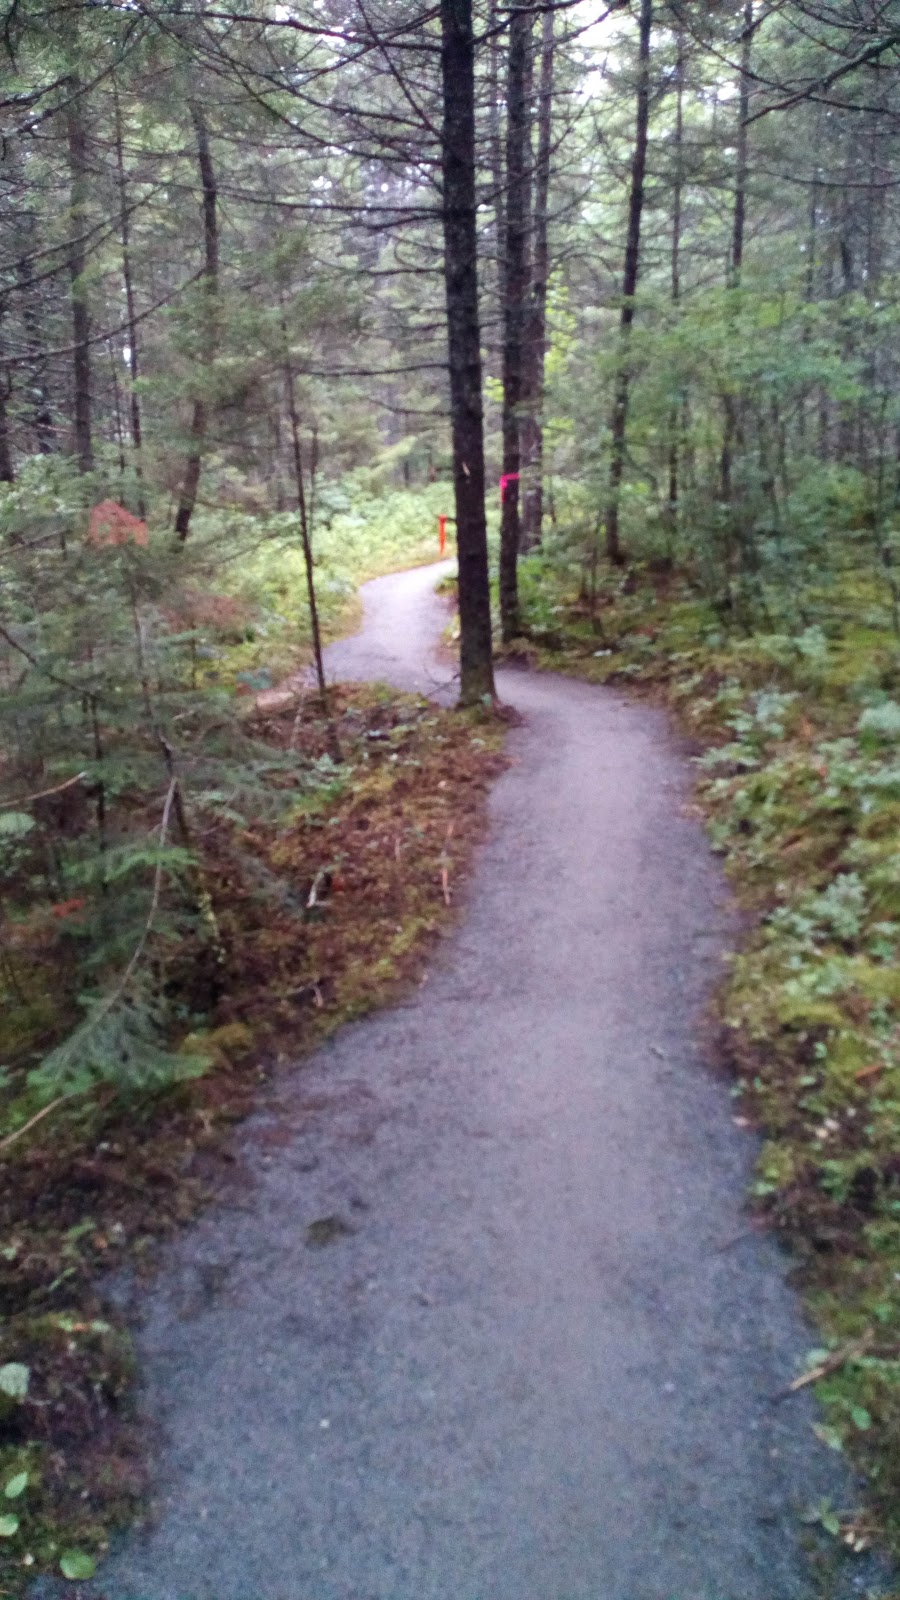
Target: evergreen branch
{"type": "Point", "coordinates": [64, 683]}
{"type": "Point", "coordinates": [112, 333]}
{"type": "Point", "coordinates": [115, 996]}
{"type": "Point", "coordinates": [346, 36]}
{"type": "Point", "coordinates": [872, 53]}
{"type": "Point", "coordinates": [94, 1021]}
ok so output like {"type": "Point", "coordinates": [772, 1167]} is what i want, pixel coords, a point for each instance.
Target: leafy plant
{"type": "Point", "coordinates": [14, 1380]}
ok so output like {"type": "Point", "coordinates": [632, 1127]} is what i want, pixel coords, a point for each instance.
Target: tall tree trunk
{"type": "Point", "coordinates": [464, 346]}
{"type": "Point", "coordinates": [514, 303]}
{"type": "Point", "coordinates": [495, 144]}
{"type": "Point", "coordinates": [536, 333]}
{"type": "Point", "coordinates": [676, 412]}
{"type": "Point", "coordinates": [41, 408]}
{"type": "Point", "coordinates": [7, 468]}
{"type": "Point", "coordinates": [134, 401]}
{"type": "Point", "coordinates": [304, 510]}
{"type": "Point", "coordinates": [619, 419]}
{"type": "Point", "coordinates": [739, 224]}
{"type": "Point", "coordinates": [117, 404]}
{"type": "Point", "coordinates": [848, 277]}
{"type": "Point", "coordinates": [736, 257]}
{"type": "Point", "coordinates": [809, 294]}
{"type": "Point", "coordinates": [76, 134]}
{"type": "Point", "coordinates": [210, 322]}
{"type": "Point", "coordinates": [36, 391]}
{"type": "Point", "coordinates": [873, 202]}
{"type": "Point", "coordinates": [825, 429]}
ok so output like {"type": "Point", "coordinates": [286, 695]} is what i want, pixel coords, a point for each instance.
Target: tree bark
{"type": "Point", "coordinates": [740, 179]}
{"type": "Point", "coordinates": [464, 346]}
{"type": "Point", "coordinates": [809, 295]}
{"type": "Point", "coordinates": [676, 410]}
{"type": "Point", "coordinates": [304, 510]}
{"type": "Point", "coordinates": [619, 418]}
{"type": "Point", "coordinates": [515, 292]}
{"type": "Point", "coordinates": [7, 467]}
{"type": "Point", "coordinates": [209, 316]}
{"type": "Point", "coordinates": [76, 134]}
{"type": "Point", "coordinates": [41, 408]}
{"type": "Point", "coordinates": [36, 391]}
{"type": "Point", "coordinates": [736, 258]}
{"type": "Point", "coordinates": [134, 401]}
{"type": "Point", "coordinates": [495, 143]}
{"type": "Point", "coordinates": [536, 333]}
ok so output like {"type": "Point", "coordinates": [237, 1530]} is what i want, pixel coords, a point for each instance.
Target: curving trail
{"type": "Point", "coordinates": [539, 1362]}
{"type": "Point", "coordinates": [399, 642]}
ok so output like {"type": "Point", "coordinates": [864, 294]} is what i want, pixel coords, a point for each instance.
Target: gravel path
{"type": "Point", "coordinates": [530, 1349]}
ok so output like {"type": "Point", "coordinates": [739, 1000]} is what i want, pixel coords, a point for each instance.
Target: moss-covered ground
{"type": "Point", "coordinates": [323, 913]}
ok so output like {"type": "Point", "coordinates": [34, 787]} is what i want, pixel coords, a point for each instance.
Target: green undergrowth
{"type": "Point", "coordinates": [800, 782]}
{"type": "Point", "coordinates": [324, 908]}
{"type": "Point", "coordinates": [357, 535]}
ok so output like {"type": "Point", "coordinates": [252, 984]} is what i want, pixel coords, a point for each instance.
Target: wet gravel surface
{"type": "Point", "coordinates": [489, 1322]}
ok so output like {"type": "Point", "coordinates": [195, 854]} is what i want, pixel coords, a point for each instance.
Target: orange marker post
{"type": "Point", "coordinates": [442, 534]}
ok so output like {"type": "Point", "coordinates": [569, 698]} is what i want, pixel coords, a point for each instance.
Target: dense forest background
{"type": "Point", "coordinates": [233, 245]}
{"type": "Point", "coordinates": [617, 289]}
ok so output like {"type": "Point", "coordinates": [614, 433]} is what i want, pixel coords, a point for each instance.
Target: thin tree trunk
{"type": "Point", "coordinates": [117, 406]}
{"type": "Point", "coordinates": [740, 184]}
{"type": "Point", "coordinates": [209, 314]}
{"type": "Point", "coordinates": [495, 143]}
{"type": "Point", "coordinates": [619, 418]}
{"type": "Point", "coordinates": [41, 407]}
{"type": "Point", "coordinates": [514, 302]}
{"type": "Point", "coordinates": [37, 392]}
{"type": "Point", "coordinates": [736, 258]}
{"type": "Point", "coordinates": [464, 346]}
{"type": "Point", "coordinates": [827, 293]}
{"type": "Point", "coordinates": [809, 296]}
{"type": "Point", "coordinates": [81, 321]}
{"type": "Point", "coordinates": [677, 409]}
{"type": "Point", "coordinates": [536, 336]}
{"type": "Point", "coordinates": [304, 509]}
{"type": "Point", "coordinates": [848, 268]}
{"type": "Point", "coordinates": [134, 402]}
{"type": "Point", "coordinates": [7, 468]}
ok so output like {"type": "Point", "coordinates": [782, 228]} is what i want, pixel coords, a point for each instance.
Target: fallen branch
{"type": "Point", "coordinates": [42, 794]}
{"type": "Point", "coordinates": [320, 879]}
{"type": "Point", "coordinates": [832, 1363]}
{"type": "Point", "coordinates": [32, 1122]}
{"type": "Point", "coordinates": [445, 869]}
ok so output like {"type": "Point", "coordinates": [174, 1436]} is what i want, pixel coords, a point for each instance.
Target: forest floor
{"type": "Point", "coordinates": [484, 1313]}
{"type": "Point", "coordinates": [323, 916]}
